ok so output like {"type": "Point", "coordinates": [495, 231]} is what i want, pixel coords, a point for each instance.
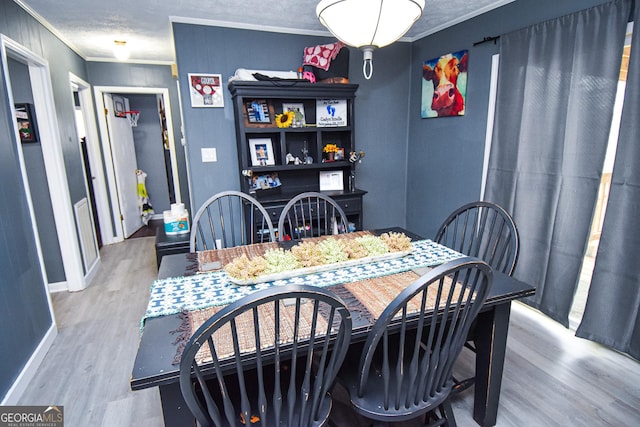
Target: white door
{"type": "Point", "coordinates": [124, 165]}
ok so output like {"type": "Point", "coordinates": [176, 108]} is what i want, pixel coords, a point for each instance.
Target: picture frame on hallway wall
{"type": "Point", "coordinates": [27, 126]}
{"type": "Point", "coordinates": [444, 85]}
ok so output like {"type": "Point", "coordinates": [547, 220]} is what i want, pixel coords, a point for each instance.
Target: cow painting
{"type": "Point", "coordinates": [444, 85]}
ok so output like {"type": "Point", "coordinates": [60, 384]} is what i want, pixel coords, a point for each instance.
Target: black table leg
{"type": "Point", "coordinates": [174, 408]}
{"type": "Point", "coordinates": [491, 343]}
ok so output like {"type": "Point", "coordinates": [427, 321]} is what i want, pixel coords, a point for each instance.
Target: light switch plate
{"type": "Point", "coordinates": [209, 155]}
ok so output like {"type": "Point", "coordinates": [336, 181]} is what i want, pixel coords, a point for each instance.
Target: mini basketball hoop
{"type": "Point", "coordinates": [133, 116]}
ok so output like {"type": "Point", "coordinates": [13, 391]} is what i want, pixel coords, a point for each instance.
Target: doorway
{"type": "Point", "coordinates": [51, 153]}
{"type": "Point", "coordinates": [103, 96]}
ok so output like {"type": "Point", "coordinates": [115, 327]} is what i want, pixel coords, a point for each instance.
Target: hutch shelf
{"type": "Point", "coordinates": [278, 163]}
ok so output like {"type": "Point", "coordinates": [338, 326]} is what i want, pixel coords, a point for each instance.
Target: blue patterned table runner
{"type": "Point", "coordinates": [176, 294]}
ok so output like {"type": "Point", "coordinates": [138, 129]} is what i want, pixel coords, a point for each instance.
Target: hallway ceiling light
{"type": "Point", "coordinates": [369, 24]}
{"type": "Point", "coordinates": [120, 50]}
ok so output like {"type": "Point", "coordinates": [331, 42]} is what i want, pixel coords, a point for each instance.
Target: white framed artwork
{"type": "Point", "coordinates": [261, 152]}
{"type": "Point", "coordinates": [331, 181]}
{"type": "Point", "coordinates": [206, 90]}
{"type": "Point", "coordinates": [331, 112]}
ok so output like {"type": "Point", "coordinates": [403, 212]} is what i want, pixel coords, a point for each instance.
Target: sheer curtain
{"type": "Point", "coordinates": [612, 314]}
{"type": "Point", "coordinates": [556, 90]}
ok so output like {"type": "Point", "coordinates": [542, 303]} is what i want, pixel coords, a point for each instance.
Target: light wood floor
{"type": "Point", "coordinates": [551, 377]}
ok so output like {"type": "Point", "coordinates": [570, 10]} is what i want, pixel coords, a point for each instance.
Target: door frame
{"type": "Point", "coordinates": [117, 234]}
{"type": "Point", "coordinates": [44, 104]}
{"type": "Point", "coordinates": [95, 160]}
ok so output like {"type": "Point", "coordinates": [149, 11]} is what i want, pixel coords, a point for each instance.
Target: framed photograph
{"type": "Point", "coordinates": [298, 111]}
{"type": "Point", "coordinates": [258, 113]}
{"type": "Point", "coordinates": [331, 180]}
{"type": "Point", "coordinates": [119, 106]}
{"type": "Point", "coordinates": [339, 154]}
{"type": "Point", "coordinates": [265, 182]}
{"type": "Point", "coordinates": [261, 152]}
{"type": "Point", "coordinates": [331, 112]}
{"type": "Point", "coordinates": [206, 90]}
{"type": "Point", "coordinates": [27, 127]}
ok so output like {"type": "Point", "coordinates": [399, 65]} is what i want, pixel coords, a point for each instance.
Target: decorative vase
{"type": "Point", "coordinates": [331, 157]}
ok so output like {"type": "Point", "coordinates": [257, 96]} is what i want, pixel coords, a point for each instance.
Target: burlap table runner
{"type": "Point", "coordinates": [266, 318]}
{"type": "Point", "coordinates": [365, 299]}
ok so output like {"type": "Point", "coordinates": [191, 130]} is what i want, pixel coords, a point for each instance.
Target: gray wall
{"type": "Point", "coordinates": [40, 197]}
{"type": "Point", "coordinates": [144, 75]}
{"type": "Point", "coordinates": [150, 153]}
{"type": "Point", "coordinates": [445, 155]}
{"type": "Point", "coordinates": [380, 123]}
{"type": "Point", "coordinates": [24, 311]}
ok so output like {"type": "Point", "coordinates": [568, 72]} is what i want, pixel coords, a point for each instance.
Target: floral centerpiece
{"type": "Point", "coordinates": [311, 254]}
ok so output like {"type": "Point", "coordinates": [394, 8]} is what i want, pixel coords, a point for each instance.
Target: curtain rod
{"type": "Point", "coordinates": [487, 39]}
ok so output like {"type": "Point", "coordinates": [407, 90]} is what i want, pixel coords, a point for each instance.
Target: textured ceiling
{"type": "Point", "coordinates": [91, 26]}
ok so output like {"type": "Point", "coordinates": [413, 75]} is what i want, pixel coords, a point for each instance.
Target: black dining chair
{"type": "Point", "coordinates": [483, 230]}
{"type": "Point", "coordinates": [311, 214]}
{"type": "Point", "coordinates": [404, 369]}
{"type": "Point", "coordinates": [268, 359]}
{"type": "Point", "coordinates": [228, 219]}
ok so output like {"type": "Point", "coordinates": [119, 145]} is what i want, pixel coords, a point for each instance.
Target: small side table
{"type": "Point", "coordinates": [169, 245]}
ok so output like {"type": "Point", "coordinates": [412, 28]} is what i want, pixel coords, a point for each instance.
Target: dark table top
{"type": "Point", "coordinates": [153, 365]}
{"type": "Point", "coordinates": [162, 239]}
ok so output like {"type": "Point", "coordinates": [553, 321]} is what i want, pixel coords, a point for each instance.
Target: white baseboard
{"type": "Point", "coordinates": [57, 287]}
{"type": "Point", "coordinates": [30, 368]}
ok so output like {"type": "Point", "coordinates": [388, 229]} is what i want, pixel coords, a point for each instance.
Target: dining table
{"type": "Point", "coordinates": [164, 330]}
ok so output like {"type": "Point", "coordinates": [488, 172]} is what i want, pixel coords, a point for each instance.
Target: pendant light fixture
{"type": "Point", "coordinates": [369, 24]}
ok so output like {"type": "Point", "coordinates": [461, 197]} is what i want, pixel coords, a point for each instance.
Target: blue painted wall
{"type": "Point", "coordinates": [445, 155]}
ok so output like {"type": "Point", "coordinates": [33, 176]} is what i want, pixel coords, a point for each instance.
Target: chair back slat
{"type": "Point", "coordinates": [407, 361]}
{"type": "Point", "coordinates": [311, 214]}
{"type": "Point", "coordinates": [483, 230]}
{"type": "Point", "coordinates": [228, 219]}
{"type": "Point", "coordinates": [304, 329]}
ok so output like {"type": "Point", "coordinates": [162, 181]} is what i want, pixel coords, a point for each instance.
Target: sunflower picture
{"type": "Point", "coordinates": [285, 119]}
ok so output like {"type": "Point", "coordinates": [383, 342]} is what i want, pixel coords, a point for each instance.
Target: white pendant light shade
{"type": "Point", "coordinates": [376, 23]}
{"type": "Point", "coordinates": [369, 24]}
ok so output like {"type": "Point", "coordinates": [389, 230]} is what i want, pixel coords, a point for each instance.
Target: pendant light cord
{"type": "Point", "coordinates": [367, 66]}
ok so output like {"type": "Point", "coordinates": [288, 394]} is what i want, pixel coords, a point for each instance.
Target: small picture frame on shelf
{"type": "Point", "coordinates": [339, 155]}
{"type": "Point", "coordinates": [27, 127]}
{"type": "Point", "coordinates": [298, 112]}
{"type": "Point", "coordinates": [261, 152]}
{"type": "Point", "coordinates": [331, 112]}
{"type": "Point", "coordinates": [258, 113]}
{"type": "Point", "coordinates": [264, 182]}
{"type": "Point", "coordinates": [331, 181]}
